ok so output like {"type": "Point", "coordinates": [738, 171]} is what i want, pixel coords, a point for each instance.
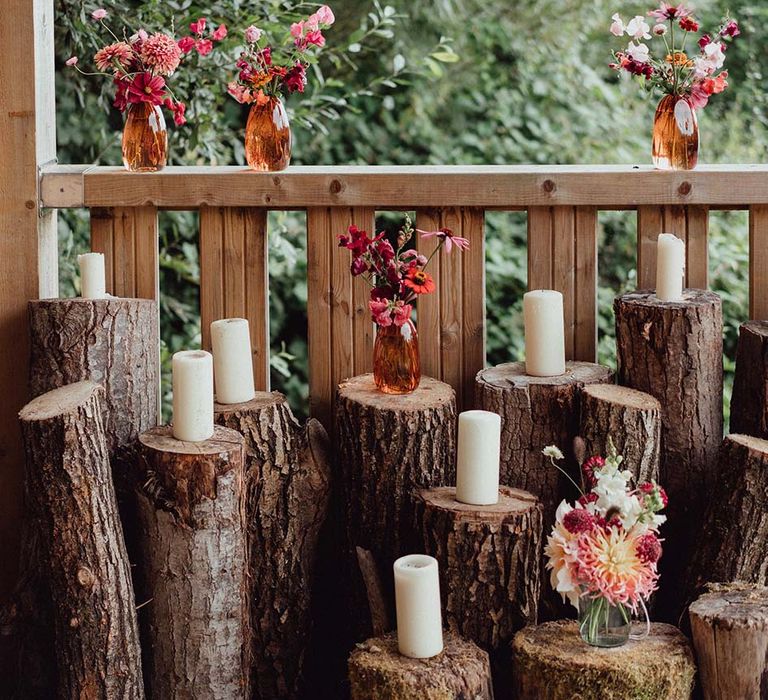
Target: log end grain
{"type": "Point", "coordinates": [622, 396]}
{"type": "Point", "coordinates": [512, 502]}
{"type": "Point", "coordinates": [430, 393]}
{"type": "Point", "coordinates": [262, 400]}
{"type": "Point", "coordinates": [691, 298]}
{"type": "Point", "coordinates": [512, 375]}
{"type": "Point", "coordinates": [61, 401]}
{"type": "Point", "coordinates": [733, 606]}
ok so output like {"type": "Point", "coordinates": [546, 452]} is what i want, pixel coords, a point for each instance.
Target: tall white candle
{"type": "Point", "coordinates": [417, 601]}
{"type": "Point", "coordinates": [544, 333]}
{"type": "Point", "coordinates": [670, 267]}
{"type": "Point", "coordinates": [93, 283]}
{"type": "Point", "coordinates": [232, 360]}
{"type": "Point", "coordinates": [477, 467]}
{"type": "Point", "coordinates": [192, 395]}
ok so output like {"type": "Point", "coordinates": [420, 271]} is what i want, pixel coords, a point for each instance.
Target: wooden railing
{"type": "Point", "coordinates": [562, 204]}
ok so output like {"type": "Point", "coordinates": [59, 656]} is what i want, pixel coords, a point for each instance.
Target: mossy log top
{"type": "Point", "coordinates": [552, 662]}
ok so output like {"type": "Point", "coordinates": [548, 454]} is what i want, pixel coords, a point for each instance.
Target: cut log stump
{"type": "Point", "coordinates": [194, 565]}
{"type": "Point", "coordinates": [377, 671]}
{"type": "Point", "coordinates": [387, 447]}
{"type": "Point", "coordinates": [730, 634]}
{"type": "Point", "coordinates": [82, 564]}
{"type": "Point", "coordinates": [632, 419]}
{"type": "Point", "coordinates": [552, 662]}
{"type": "Point", "coordinates": [287, 487]}
{"type": "Point", "coordinates": [749, 401]}
{"type": "Point", "coordinates": [489, 560]}
{"type": "Point", "coordinates": [674, 351]}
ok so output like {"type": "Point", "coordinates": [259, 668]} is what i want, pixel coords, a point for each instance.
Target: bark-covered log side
{"type": "Point", "coordinates": [551, 662]}
{"type": "Point", "coordinates": [729, 625]}
{"type": "Point", "coordinates": [632, 419]}
{"type": "Point", "coordinates": [377, 671]}
{"type": "Point", "coordinates": [113, 342]}
{"type": "Point", "coordinates": [749, 401]}
{"type": "Point", "coordinates": [287, 487]}
{"type": "Point", "coordinates": [72, 502]}
{"type": "Point", "coordinates": [386, 448]}
{"type": "Point", "coordinates": [194, 565]}
{"type": "Point", "coordinates": [674, 351]}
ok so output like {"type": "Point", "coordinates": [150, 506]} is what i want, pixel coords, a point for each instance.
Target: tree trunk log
{"type": "Point", "coordinates": [551, 662]}
{"type": "Point", "coordinates": [631, 419]}
{"type": "Point", "coordinates": [377, 671]}
{"type": "Point", "coordinates": [287, 487]}
{"type": "Point", "coordinates": [730, 635]}
{"type": "Point", "coordinates": [71, 501]}
{"type": "Point", "coordinates": [749, 401]}
{"type": "Point", "coordinates": [674, 351]}
{"type": "Point", "coordinates": [194, 565]}
{"type": "Point", "coordinates": [733, 542]}
{"type": "Point", "coordinates": [387, 447]}
{"type": "Point", "coordinates": [113, 342]}
{"type": "Point", "coordinates": [490, 562]}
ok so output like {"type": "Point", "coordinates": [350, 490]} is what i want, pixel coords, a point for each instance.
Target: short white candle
{"type": "Point", "coordinates": [417, 601]}
{"type": "Point", "coordinates": [477, 466]}
{"type": "Point", "coordinates": [232, 360]}
{"type": "Point", "coordinates": [93, 283]}
{"type": "Point", "coordinates": [544, 333]}
{"type": "Point", "coordinates": [192, 395]}
{"type": "Point", "coordinates": [670, 267]}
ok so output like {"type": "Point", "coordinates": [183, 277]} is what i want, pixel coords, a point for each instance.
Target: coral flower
{"type": "Point", "coordinates": [146, 88]}
{"type": "Point", "coordinates": [419, 281]}
{"type": "Point", "coordinates": [116, 57]}
{"type": "Point", "coordinates": [161, 53]}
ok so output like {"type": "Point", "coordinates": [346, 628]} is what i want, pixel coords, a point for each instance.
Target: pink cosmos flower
{"type": "Point", "coordinates": [325, 15]}
{"type": "Point", "coordinates": [667, 11]}
{"type": "Point", "coordinates": [99, 14]}
{"type": "Point", "coordinates": [146, 88]}
{"type": "Point", "coordinates": [204, 46]}
{"type": "Point", "coordinates": [186, 44]}
{"type": "Point", "coordinates": [116, 57]}
{"type": "Point", "coordinates": [220, 32]}
{"type": "Point", "coordinates": [198, 27]}
{"type": "Point", "coordinates": [252, 34]}
{"type": "Point", "coordinates": [72, 61]}
{"type": "Point", "coordinates": [445, 234]}
{"type": "Point", "coordinates": [162, 53]}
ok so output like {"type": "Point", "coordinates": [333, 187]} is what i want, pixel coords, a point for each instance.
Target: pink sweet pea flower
{"type": "Point", "coordinates": [617, 27]}
{"type": "Point", "coordinates": [315, 38]}
{"type": "Point", "coordinates": [252, 34]}
{"type": "Point", "coordinates": [699, 96]}
{"type": "Point", "coordinates": [402, 313]}
{"type": "Point", "coordinates": [731, 29]}
{"type": "Point", "coordinates": [204, 46]}
{"type": "Point", "coordinates": [198, 27]}
{"type": "Point", "coordinates": [186, 44]}
{"type": "Point", "coordinates": [220, 32]}
{"type": "Point", "coordinates": [72, 61]}
{"type": "Point", "coordinates": [325, 16]}
{"type": "Point", "coordinates": [99, 14]}
{"type": "Point", "coordinates": [297, 30]}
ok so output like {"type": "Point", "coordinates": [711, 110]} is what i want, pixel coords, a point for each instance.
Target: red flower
{"type": "Point", "coordinates": [589, 467]}
{"type": "Point", "coordinates": [314, 38]}
{"type": "Point", "coordinates": [198, 27]}
{"type": "Point", "coordinates": [186, 44]}
{"type": "Point", "coordinates": [357, 241]}
{"type": "Point", "coordinates": [648, 548]}
{"type": "Point", "coordinates": [121, 96]}
{"type": "Point", "coordinates": [588, 498]}
{"type": "Point", "coordinates": [731, 29]}
{"type": "Point", "coordinates": [706, 40]}
{"type": "Point", "coordinates": [220, 32]}
{"type": "Point", "coordinates": [688, 24]}
{"type": "Point", "coordinates": [382, 293]}
{"type": "Point", "coordinates": [146, 88]}
{"type": "Point", "coordinates": [578, 520]}
{"type": "Point", "coordinates": [296, 78]}
{"type": "Point", "coordinates": [204, 46]}
{"type": "Point", "coordinates": [265, 55]}
{"type": "Point", "coordinates": [359, 266]}
{"type": "Point", "coordinates": [179, 108]}
{"type": "Point", "coordinates": [419, 281]}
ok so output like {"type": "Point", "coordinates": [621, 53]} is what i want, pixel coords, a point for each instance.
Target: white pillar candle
{"type": "Point", "coordinates": [93, 283]}
{"type": "Point", "coordinates": [417, 601]}
{"type": "Point", "coordinates": [192, 395]}
{"type": "Point", "coordinates": [232, 360]}
{"type": "Point", "coordinates": [477, 467]}
{"type": "Point", "coordinates": [544, 333]}
{"type": "Point", "coordinates": [670, 267]}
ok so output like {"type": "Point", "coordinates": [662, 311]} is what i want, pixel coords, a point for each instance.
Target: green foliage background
{"type": "Point", "coordinates": [448, 81]}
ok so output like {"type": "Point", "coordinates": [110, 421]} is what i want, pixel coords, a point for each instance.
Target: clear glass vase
{"type": "Point", "coordinates": [603, 624]}
{"type": "Point", "coordinates": [675, 134]}
{"type": "Point", "coordinates": [396, 365]}
{"type": "Point", "coordinates": [145, 138]}
{"type": "Point", "coordinates": [268, 136]}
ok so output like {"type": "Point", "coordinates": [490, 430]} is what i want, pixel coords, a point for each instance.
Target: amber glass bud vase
{"type": "Point", "coordinates": [675, 134]}
{"type": "Point", "coordinates": [268, 136]}
{"type": "Point", "coordinates": [145, 139]}
{"type": "Point", "coordinates": [396, 366]}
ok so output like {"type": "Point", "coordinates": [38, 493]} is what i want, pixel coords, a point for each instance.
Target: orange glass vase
{"type": "Point", "coordinates": [268, 136]}
{"type": "Point", "coordinates": [145, 139]}
{"type": "Point", "coordinates": [675, 134]}
{"type": "Point", "coordinates": [396, 366]}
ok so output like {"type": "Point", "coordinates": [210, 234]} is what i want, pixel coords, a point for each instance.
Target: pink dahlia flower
{"type": "Point", "coordinates": [116, 57]}
{"type": "Point", "coordinates": [161, 53]}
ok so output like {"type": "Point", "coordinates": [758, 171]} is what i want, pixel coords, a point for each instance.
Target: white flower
{"type": "Point", "coordinates": [638, 28]}
{"type": "Point", "coordinates": [702, 68]}
{"type": "Point", "coordinates": [617, 28]}
{"type": "Point", "coordinates": [638, 52]}
{"type": "Point", "coordinates": [659, 29]}
{"type": "Point", "coordinates": [553, 452]}
{"type": "Point", "coordinates": [714, 54]}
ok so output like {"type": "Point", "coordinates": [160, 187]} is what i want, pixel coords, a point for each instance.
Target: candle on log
{"type": "Point", "coordinates": [670, 266]}
{"type": "Point", "coordinates": [417, 601]}
{"type": "Point", "coordinates": [232, 361]}
{"type": "Point", "coordinates": [544, 333]}
{"type": "Point", "coordinates": [93, 283]}
{"type": "Point", "coordinates": [192, 395]}
{"type": "Point", "coordinates": [477, 468]}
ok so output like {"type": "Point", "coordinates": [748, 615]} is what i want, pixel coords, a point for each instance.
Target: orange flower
{"type": "Point", "coordinates": [419, 281]}
{"type": "Point", "coordinates": [261, 78]}
{"type": "Point", "coordinates": [679, 59]}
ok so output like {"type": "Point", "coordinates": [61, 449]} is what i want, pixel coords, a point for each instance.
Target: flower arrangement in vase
{"type": "Point", "coordinates": [140, 64]}
{"type": "Point", "coordinates": [603, 551]}
{"type": "Point", "coordinates": [267, 72]}
{"type": "Point", "coordinates": [397, 277]}
{"type": "Point", "coordinates": [686, 82]}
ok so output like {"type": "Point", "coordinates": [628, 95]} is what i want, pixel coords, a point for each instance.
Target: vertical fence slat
{"type": "Point", "coordinates": [650, 223]}
{"type": "Point", "coordinates": [473, 286]}
{"type": "Point", "coordinates": [451, 309]}
{"type": "Point", "coordinates": [428, 306]}
{"type": "Point", "coordinates": [697, 256]}
{"type": "Point", "coordinates": [102, 237]}
{"type": "Point", "coordinates": [540, 248]}
{"type": "Point", "coordinates": [342, 338]}
{"type": "Point", "coordinates": [257, 292]}
{"type": "Point", "coordinates": [585, 331]}
{"type": "Point", "coordinates": [758, 262]}
{"type": "Point", "coordinates": [211, 270]}
{"type": "Point", "coordinates": [362, 326]}
{"type": "Point", "coordinates": [564, 268]}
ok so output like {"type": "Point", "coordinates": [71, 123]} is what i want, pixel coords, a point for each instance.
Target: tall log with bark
{"type": "Point", "coordinates": [287, 487]}
{"type": "Point", "coordinates": [78, 538]}
{"type": "Point", "coordinates": [749, 401]}
{"type": "Point", "coordinates": [194, 565]}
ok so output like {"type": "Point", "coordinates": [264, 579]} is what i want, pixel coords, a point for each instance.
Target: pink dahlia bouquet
{"type": "Point", "coordinates": [269, 68]}
{"type": "Point", "coordinates": [689, 64]}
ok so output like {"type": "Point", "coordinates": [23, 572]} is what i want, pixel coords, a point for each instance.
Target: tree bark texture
{"type": "Point", "coordinates": [749, 401]}
{"type": "Point", "coordinates": [71, 503]}
{"type": "Point", "coordinates": [552, 662]}
{"type": "Point", "coordinates": [194, 565]}
{"type": "Point", "coordinates": [730, 634]}
{"type": "Point", "coordinates": [387, 447]}
{"type": "Point", "coordinates": [287, 488]}
{"type": "Point", "coordinates": [674, 351]}
{"type": "Point", "coordinates": [632, 419]}
{"type": "Point", "coordinates": [377, 671]}
{"type": "Point", "coordinates": [113, 342]}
